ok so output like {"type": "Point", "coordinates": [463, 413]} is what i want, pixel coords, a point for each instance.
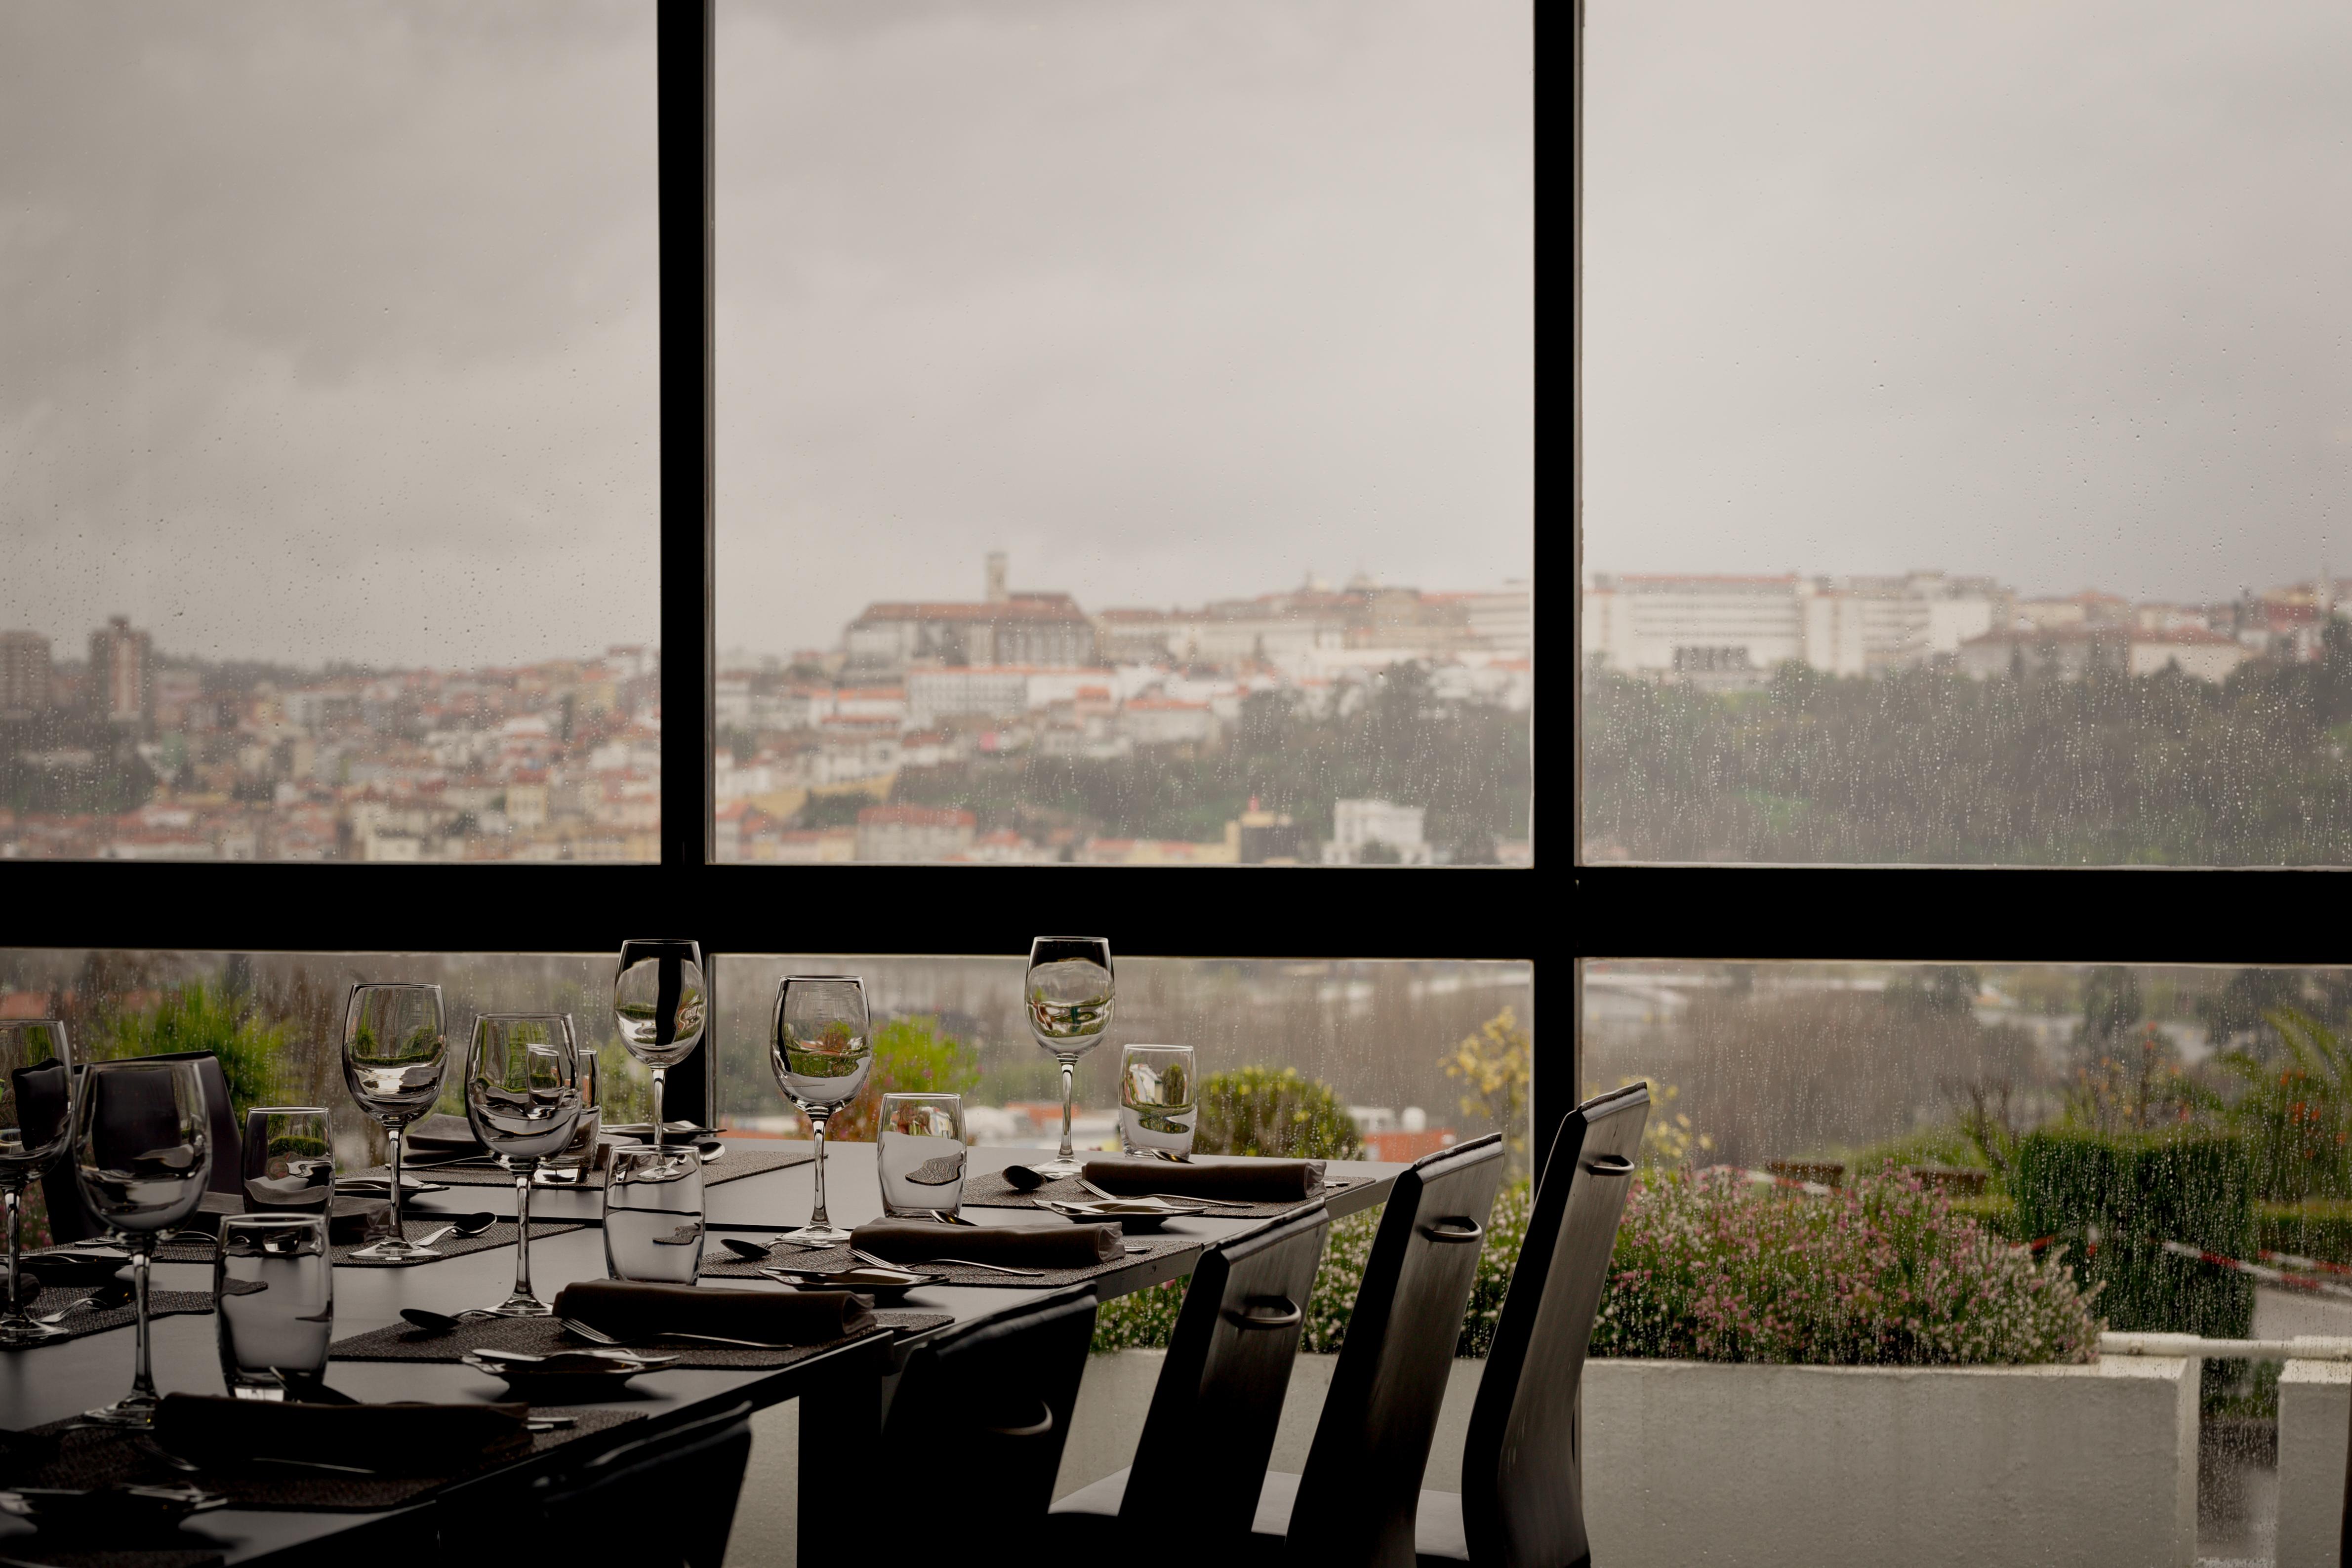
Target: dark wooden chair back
{"type": "Point", "coordinates": [1209, 1431]}
{"type": "Point", "coordinates": [666, 1499]}
{"type": "Point", "coordinates": [1357, 1496]}
{"type": "Point", "coordinates": [70, 1218]}
{"type": "Point", "coordinates": [1522, 1496]}
{"type": "Point", "coordinates": [998, 1393]}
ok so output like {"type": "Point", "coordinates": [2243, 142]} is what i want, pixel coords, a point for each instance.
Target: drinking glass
{"type": "Point", "coordinates": [522, 1096]}
{"type": "Point", "coordinates": [290, 1165]}
{"type": "Point", "coordinates": [919, 1155]}
{"type": "Point", "coordinates": [653, 1214]}
{"type": "Point", "coordinates": [142, 1151]}
{"type": "Point", "coordinates": [659, 1003]}
{"type": "Point", "coordinates": [819, 1045]}
{"type": "Point", "coordinates": [580, 1154]}
{"type": "Point", "coordinates": [1157, 1110]}
{"type": "Point", "coordinates": [394, 1055]}
{"type": "Point", "coordinates": [35, 1126]}
{"type": "Point", "coordinates": [1068, 994]}
{"type": "Point", "coordinates": [274, 1292]}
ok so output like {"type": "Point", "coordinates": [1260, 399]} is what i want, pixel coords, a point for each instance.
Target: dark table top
{"type": "Point", "coordinates": [57, 1381]}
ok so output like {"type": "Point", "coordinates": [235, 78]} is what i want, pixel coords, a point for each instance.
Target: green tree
{"type": "Point", "coordinates": [911, 1056]}
{"type": "Point", "coordinates": [1275, 1111]}
{"type": "Point", "coordinates": [1495, 1067]}
{"type": "Point", "coordinates": [196, 1018]}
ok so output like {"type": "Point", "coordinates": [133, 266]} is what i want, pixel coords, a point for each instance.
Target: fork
{"type": "Point", "coordinates": [1163, 1197]}
{"type": "Point", "coordinates": [960, 1262]}
{"type": "Point", "coordinates": [598, 1336]}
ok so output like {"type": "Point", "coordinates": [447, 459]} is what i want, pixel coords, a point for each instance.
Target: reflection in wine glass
{"type": "Point", "coordinates": [821, 1049]}
{"type": "Point", "coordinates": [35, 1126]}
{"type": "Point", "coordinates": [522, 1096]}
{"type": "Point", "coordinates": [142, 1151]}
{"type": "Point", "coordinates": [1067, 993]}
{"type": "Point", "coordinates": [659, 1003]}
{"type": "Point", "coordinates": [394, 1055]}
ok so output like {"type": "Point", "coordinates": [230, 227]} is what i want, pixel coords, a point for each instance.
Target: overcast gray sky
{"type": "Point", "coordinates": [328, 330]}
{"type": "Point", "coordinates": [2054, 292]}
{"type": "Point", "coordinates": [1167, 300]}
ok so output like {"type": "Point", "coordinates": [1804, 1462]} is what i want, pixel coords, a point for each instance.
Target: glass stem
{"type": "Point", "coordinates": [399, 1230]}
{"type": "Point", "coordinates": [16, 1302]}
{"type": "Point", "coordinates": [523, 1232]}
{"type": "Point", "coordinates": [142, 1376]}
{"type": "Point", "coordinates": [657, 1107]}
{"type": "Point", "coordinates": [1069, 1080]}
{"type": "Point", "coordinates": [818, 1218]}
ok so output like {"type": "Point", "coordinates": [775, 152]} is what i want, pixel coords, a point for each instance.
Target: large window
{"type": "Point", "coordinates": [1963, 429]}
{"type": "Point", "coordinates": [329, 430]}
{"type": "Point", "coordinates": [1125, 439]}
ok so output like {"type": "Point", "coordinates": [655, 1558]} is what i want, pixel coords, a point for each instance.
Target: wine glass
{"type": "Point", "coordinates": [821, 1049]}
{"type": "Point", "coordinates": [142, 1151]}
{"type": "Point", "coordinates": [522, 1096]}
{"type": "Point", "coordinates": [659, 1002]}
{"type": "Point", "coordinates": [395, 1055]}
{"type": "Point", "coordinates": [35, 1126]}
{"type": "Point", "coordinates": [1068, 994]}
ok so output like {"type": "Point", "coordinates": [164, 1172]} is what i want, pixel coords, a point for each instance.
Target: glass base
{"type": "Point", "coordinates": [16, 1331]}
{"type": "Point", "coordinates": [814, 1236]}
{"type": "Point", "coordinates": [131, 1410]}
{"type": "Point", "coordinates": [1057, 1168]}
{"type": "Point", "coordinates": [390, 1250]}
{"type": "Point", "coordinates": [522, 1307]}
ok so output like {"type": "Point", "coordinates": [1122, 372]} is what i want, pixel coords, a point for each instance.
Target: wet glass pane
{"type": "Point", "coordinates": [2006, 1170]}
{"type": "Point", "coordinates": [327, 424]}
{"type": "Point", "coordinates": [1125, 433]}
{"type": "Point", "coordinates": [1963, 422]}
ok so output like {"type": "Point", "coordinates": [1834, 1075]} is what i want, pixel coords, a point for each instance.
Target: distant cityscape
{"type": "Point", "coordinates": [134, 753]}
{"type": "Point", "coordinates": [1732, 632]}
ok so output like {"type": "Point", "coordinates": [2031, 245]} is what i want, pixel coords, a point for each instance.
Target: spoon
{"type": "Point", "coordinates": [742, 1249]}
{"type": "Point", "coordinates": [467, 1226]}
{"type": "Point", "coordinates": [441, 1322]}
{"type": "Point", "coordinates": [1023, 1178]}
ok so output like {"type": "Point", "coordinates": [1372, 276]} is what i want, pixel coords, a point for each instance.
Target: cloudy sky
{"type": "Point", "coordinates": [328, 331]}
{"type": "Point", "coordinates": [2054, 292]}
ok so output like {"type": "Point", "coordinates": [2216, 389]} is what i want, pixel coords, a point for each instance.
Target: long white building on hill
{"type": "Point", "coordinates": [1732, 632]}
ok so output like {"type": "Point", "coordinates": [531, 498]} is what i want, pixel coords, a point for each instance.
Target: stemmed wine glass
{"type": "Point", "coordinates": [659, 1002]}
{"type": "Point", "coordinates": [142, 1151]}
{"type": "Point", "coordinates": [395, 1055]}
{"type": "Point", "coordinates": [35, 1126]}
{"type": "Point", "coordinates": [1068, 994]}
{"type": "Point", "coordinates": [522, 1096]}
{"type": "Point", "coordinates": [821, 1049]}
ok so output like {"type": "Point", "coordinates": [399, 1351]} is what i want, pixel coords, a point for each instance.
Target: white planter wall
{"type": "Point", "coordinates": [2315, 1415]}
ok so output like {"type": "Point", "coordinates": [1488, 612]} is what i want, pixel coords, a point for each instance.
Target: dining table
{"type": "Point", "coordinates": [841, 1390]}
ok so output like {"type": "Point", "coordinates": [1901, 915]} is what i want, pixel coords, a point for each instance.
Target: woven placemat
{"type": "Point", "coordinates": [94, 1320]}
{"type": "Point", "coordinates": [739, 1161]}
{"type": "Point", "coordinates": [989, 1189]}
{"type": "Point", "coordinates": [832, 1259]}
{"type": "Point", "coordinates": [34, 1549]}
{"type": "Point", "coordinates": [505, 1233]}
{"type": "Point", "coordinates": [544, 1336]}
{"type": "Point", "coordinates": [102, 1456]}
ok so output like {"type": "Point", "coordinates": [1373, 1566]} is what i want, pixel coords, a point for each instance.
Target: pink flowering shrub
{"type": "Point", "coordinates": [1709, 1266]}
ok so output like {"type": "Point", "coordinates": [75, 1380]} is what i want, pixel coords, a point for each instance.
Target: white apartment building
{"type": "Point", "coordinates": [1356, 825]}
{"type": "Point", "coordinates": [1729, 631]}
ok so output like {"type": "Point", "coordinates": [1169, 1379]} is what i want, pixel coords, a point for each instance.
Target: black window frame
{"type": "Point", "coordinates": [1237, 912]}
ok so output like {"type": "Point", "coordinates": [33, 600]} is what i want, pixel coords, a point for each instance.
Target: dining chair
{"type": "Point", "coordinates": [664, 1500]}
{"type": "Point", "coordinates": [70, 1218]}
{"type": "Point", "coordinates": [999, 1392]}
{"type": "Point", "coordinates": [1354, 1503]}
{"type": "Point", "coordinates": [1192, 1490]}
{"type": "Point", "coordinates": [1522, 1499]}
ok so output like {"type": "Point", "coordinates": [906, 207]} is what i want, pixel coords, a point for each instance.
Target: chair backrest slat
{"type": "Point", "coordinates": [1211, 1427]}
{"type": "Point", "coordinates": [1356, 1497]}
{"type": "Point", "coordinates": [1522, 1504]}
{"type": "Point", "coordinates": [997, 1393]}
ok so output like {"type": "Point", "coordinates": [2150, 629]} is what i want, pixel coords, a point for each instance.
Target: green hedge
{"type": "Point", "coordinates": [2316, 1228]}
{"type": "Point", "coordinates": [2133, 1192]}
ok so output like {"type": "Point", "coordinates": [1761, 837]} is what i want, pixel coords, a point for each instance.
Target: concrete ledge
{"type": "Point", "coordinates": [1823, 1466]}
{"type": "Point", "coordinates": [2314, 1416]}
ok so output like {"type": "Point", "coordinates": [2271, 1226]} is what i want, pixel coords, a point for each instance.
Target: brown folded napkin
{"type": "Point", "coordinates": [1250, 1181]}
{"type": "Point", "coordinates": [633, 1313]}
{"type": "Point", "coordinates": [1027, 1246]}
{"type": "Point", "coordinates": [410, 1439]}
